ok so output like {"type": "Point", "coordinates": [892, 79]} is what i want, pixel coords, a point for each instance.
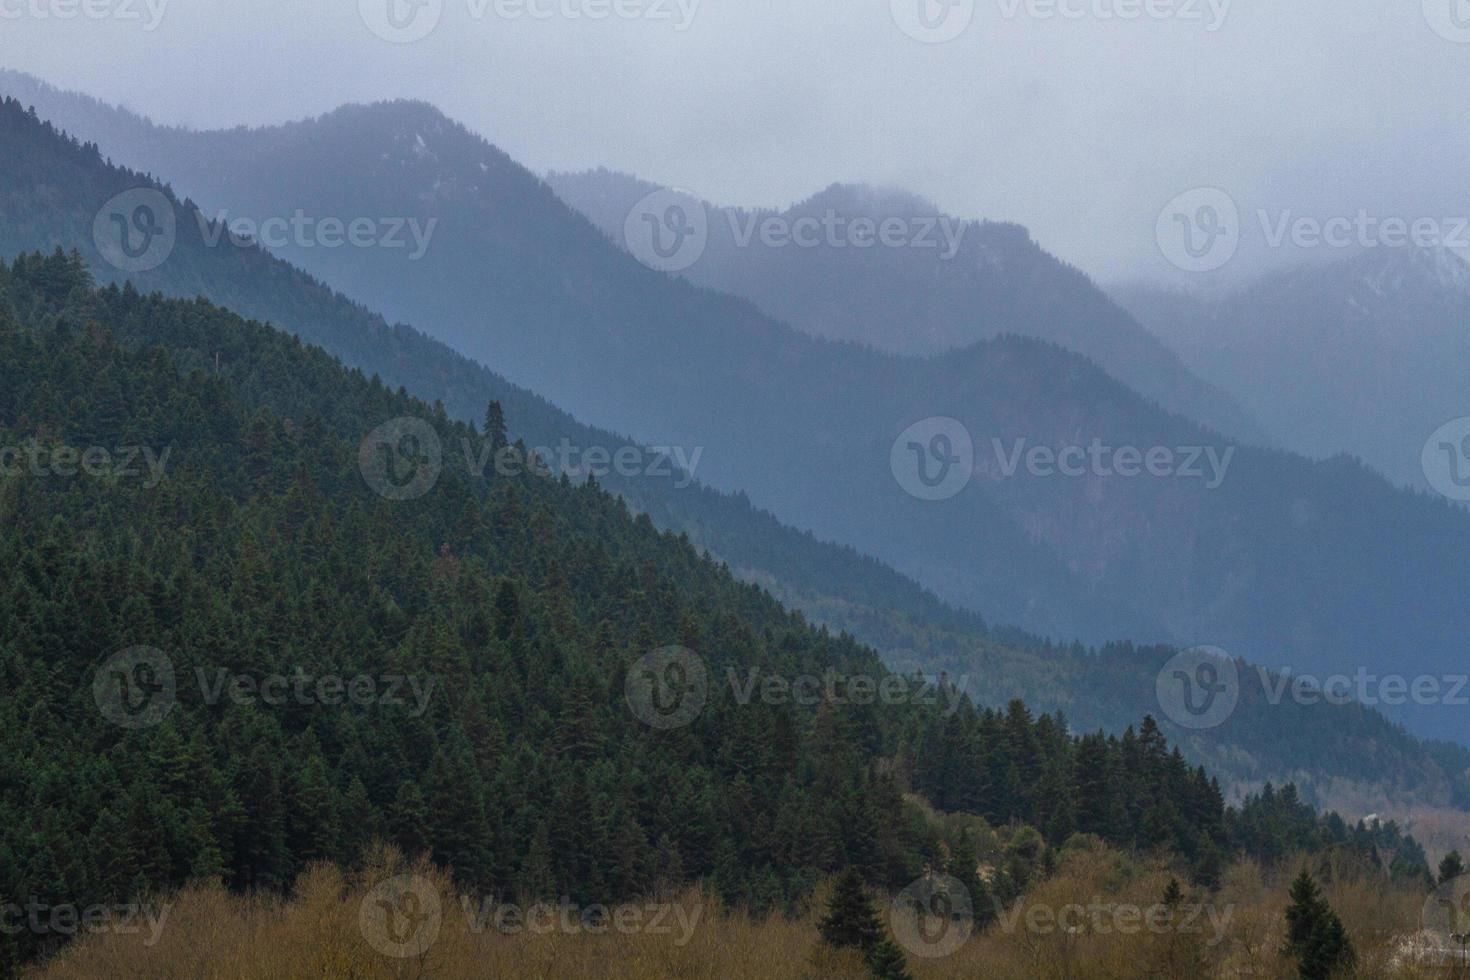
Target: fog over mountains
{"type": "Point", "coordinates": [651, 489]}
{"type": "Point", "coordinates": [1338, 756]}
{"type": "Point", "coordinates": [1081, 128]}
{"type": "Point", "coordinates": [1364, 355]}
{"type": "Point", "coordinates": [1275, 558]}
{"type": "Point", "coordinates": [939, 283]}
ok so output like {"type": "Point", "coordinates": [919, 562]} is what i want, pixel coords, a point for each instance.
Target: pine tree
{"type": "Point", "coordinates": [495, 429]}
{"type": "Point", "coordinates": [668, 866]}
{"type": "Point", "coordinates": [538, 874]}
{"type": "Point", "coordinates": [357, 818]}
{"type": "Point", "coordinates": [312, 828]}
{"type": "Point", "coordinates": [261, 855]}
{"type": "Point", "coordinates": [1303, 915]}
{"type": "Point", "coordinates": [1331, 953]}
{"type": "Point", "coordinates": [1315, 937]}
{"type": "Point", "coordinates": [1451, 867]}
{"type": "Point", "coordinates": [850, 922]}
{"type": "Point", "coordinates": [408, 819]}
{"type": "Point", "coordinates": [887, 962]}
{"type": "Point", "coordinates": [1173, 897]}
{"type": "Point", "coordinates": [964, 867]}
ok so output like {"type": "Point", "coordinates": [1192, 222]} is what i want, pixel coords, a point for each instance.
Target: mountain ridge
{"type": "Point", "coordinates": [1299, 344]}
{"type": "Point", "coordinates": [1041, 357]}
{"type": "Point", "coordinates": [970, 281]}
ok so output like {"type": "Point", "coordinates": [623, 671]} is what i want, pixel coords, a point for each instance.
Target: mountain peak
{"type": "Point", "coordinates": [1389, 272]}
{"type": "Point", "coordinates": [393, 110]}
{"type": "Point", "coordinates": [868, 201]}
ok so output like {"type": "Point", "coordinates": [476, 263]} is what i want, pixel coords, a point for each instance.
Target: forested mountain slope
{"type": "Point", "coordinates": [144, 621]}
{"type": "Point", "coordinates": [832, 584]}
{"type": "Point", "coordinates": [1323, 566]}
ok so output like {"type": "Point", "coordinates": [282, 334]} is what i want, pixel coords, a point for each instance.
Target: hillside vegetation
{"type": "Point", "coordinates": [56, 186]}
{"type": "Point", "coordinates": [514, 610]}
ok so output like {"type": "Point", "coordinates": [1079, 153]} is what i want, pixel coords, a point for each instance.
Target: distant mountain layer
{"type": "Point", "coordinates": [911, 281]}
{"type": "Point", "coordinates": [1367, 355]}
{"type": "Point", "coordinates": [52, 187]}
{"type": "Point", "coordinates": [1321, 566]}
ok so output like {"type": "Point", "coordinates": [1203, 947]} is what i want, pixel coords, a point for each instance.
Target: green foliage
{"type": "Point", "coordinates": [523, 599]}
{"type": "Point", "coordinates": [263, 552]}
{"type": "Point", "coordinates": [1173, 895]}
{"type": "Point", "coordinates": [495, 428]}
{"type": "Point", "coordinates": [1315, 937]}
{"type": "Point", "coordinates": [56, 186]}
{"type": "Point", "coordinates": [1451, 867]}
{"type": "Point", "coordinates": [519, 602]}
{"type": "Point", "coordinates": [964, 867]}
{"type": "Point", "coordinates": [887, 962]}
{"type": "Point", "coordinates": [850, 922]}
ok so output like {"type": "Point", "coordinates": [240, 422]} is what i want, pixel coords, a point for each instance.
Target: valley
{"type": "Point", "coordinates": [733, 491]}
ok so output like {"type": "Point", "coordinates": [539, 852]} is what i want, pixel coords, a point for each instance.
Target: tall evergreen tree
{"type": "Point", "coordinates": [887, 962]}
{"type": "Point", "coordinates": [850, 922]}
{"type": "Point", "coordinates": [1315, 936]}
{"type": "Point", "coordinates": [495, 428]}
{"type": "Point", "coordinates": [1173, 896]}
{"type": "Point", "coordinates": [1451, 867]}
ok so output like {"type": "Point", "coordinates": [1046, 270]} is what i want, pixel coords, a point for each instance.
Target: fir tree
{"type": "Point", "coordinates": [495, 429]}
{"type": "Point", "coordinates": [408, 819]}
{"type": "Point", "coordinates": [964, 867]}
{"type": "Point", "coordinates": [1315, 937]}
{"type": "Point", "coordinates": [1173, 897]}
{"type": "Point", "coordinates": [1451, 867]}
{"type": "Point", "coordinates": [887, 962]}
{"type": "Point", "coordinates": [850, 922]}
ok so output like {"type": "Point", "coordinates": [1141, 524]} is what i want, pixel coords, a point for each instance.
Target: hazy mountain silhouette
{"type": "Point", "coordinates": [1320, 565]}
{"type": "Point", "coordinates": [1367, 355]}
{"type": "Point", "coordinates": [925, 284]}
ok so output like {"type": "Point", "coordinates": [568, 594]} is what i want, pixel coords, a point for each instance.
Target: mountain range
{"type": "Point", "coordinates": [270, 658]}
{"type": "Point", "coordinates": [1365, 355]}
{"type": "Point", "coordinates": [1321, 565]}
{"type": "Point", "coordinates": [923, 284]}
{"type": "Point", "coordinates": [833, 583]}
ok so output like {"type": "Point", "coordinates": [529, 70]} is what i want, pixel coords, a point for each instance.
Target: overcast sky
{"type": "Point", "coordinates": [1082, 127]}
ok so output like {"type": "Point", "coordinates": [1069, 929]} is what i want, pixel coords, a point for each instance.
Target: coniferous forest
{"type": "Point", "coordinates": [518, 605]}
{"type": "Point", "coordinates": [681, 490]}
{"type": "Point", "coordinates": [59, 182]}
